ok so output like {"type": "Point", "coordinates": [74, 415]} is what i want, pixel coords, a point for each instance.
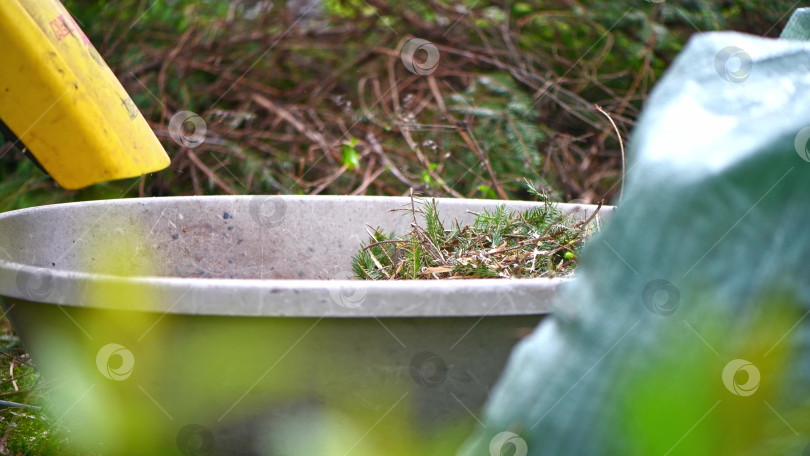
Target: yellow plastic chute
{"type": "Point", "coordinates": [59, 97]}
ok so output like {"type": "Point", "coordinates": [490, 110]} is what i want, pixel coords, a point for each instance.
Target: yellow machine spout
{"type": "Point", "coordinates": [62, 101]}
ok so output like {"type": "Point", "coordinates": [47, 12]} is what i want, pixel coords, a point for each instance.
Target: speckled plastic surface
{"type": "Point", "coordinates": [285, 252]}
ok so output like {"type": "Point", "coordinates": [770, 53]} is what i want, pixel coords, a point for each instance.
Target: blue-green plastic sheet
{"type": "Point", "coordinates": [686, 329]}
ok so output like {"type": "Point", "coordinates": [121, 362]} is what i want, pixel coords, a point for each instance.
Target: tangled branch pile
{"type": "Point", "coordinates": [312, 97]}
{"type": "Point", "coordinates": [310, 101]}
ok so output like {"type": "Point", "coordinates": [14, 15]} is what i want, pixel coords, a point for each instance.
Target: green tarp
{"type": "Point", "coordinates": [686, 330]}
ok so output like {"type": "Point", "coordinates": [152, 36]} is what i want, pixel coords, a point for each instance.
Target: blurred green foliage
{"type": "Point", "coordinates": [23, 431]}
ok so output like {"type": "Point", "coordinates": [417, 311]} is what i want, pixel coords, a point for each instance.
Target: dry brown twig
{"type": "Point", "coordinates": [621, 146]}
